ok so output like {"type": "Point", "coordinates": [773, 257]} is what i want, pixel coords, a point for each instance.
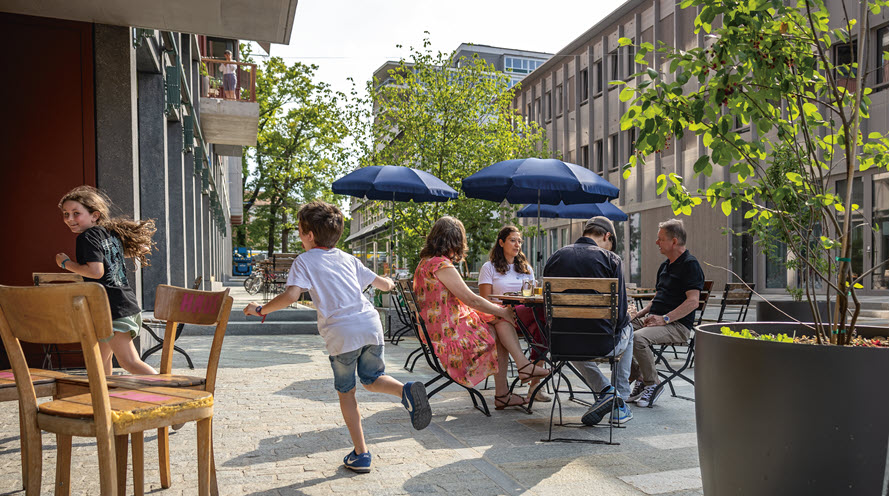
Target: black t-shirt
{"type": "Point", "coordinates": [585, 259]}
{"type": "Point", "coordinates": [674, 280]}
{"type": "Point", "coordinates": [96, 244]}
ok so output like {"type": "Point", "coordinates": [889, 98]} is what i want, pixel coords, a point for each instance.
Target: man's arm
{"type": "Point", "coordinates": [689, 305]}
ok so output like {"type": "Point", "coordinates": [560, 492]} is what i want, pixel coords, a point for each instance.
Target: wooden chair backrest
{"type": "Point", "coordinates": [191, 306]}
{"type": "Point", "coordinates": [737, 293]}
{"type": "Point", "coordinates": [43, 278]}
{"type": "Point", "coordinates": [703, 297]}
{"type": "Point", "coordinates": [57, 313]}
{"type": "Point", "coordinates": [582, 298]}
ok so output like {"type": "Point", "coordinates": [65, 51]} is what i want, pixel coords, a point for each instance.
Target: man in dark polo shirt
{"type": "Point", "coordinates": [592, 255]}
{"type": "Point", "coordinates": [668, 317]}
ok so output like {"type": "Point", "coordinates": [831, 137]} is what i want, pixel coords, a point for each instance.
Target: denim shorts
{"type": "Point", "coordinates": [367, 361]}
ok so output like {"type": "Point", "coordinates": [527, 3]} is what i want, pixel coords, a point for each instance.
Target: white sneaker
{"type": "Point", "coordinates": [650, 394]}
{"type": "Point", "coordinates": [637, 392]}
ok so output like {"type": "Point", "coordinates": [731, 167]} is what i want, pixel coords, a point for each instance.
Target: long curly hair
{"type": "Point", "coordinates": [135, 235]}
{"type": "Point", "coordinates": [497, 258]}
{"type": "Point", "coordinates": [447, 238]}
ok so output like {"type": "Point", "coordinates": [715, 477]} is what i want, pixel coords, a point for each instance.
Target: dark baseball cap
{"type": "Point", "coordinates": [603, 223]}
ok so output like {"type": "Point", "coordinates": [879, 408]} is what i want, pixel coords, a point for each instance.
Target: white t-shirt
{"type": "Point", "coordinates": [346, 319]}
{"type": "Point", "coordinates": [228, 68]}
{"type": "Point", "coordinates": [503, 283]}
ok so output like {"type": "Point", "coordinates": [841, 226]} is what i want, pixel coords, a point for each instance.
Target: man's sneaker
{"type": "Point", "coordinates": [650, 394]}
{"type": "Point", "coordinates": [601, 408]}
{"type": "Point", "coordinates": [358, 463]}
{"type": "Point", "coordinates": [415, 401]}
{"type": "Point", "coordinates": [637, 392]}
{"type": "Point", "coordinates": [621, 414]}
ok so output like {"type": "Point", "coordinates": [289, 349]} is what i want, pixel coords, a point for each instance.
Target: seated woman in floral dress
{"type": "Point", "coordinates": [471, 335]}
{"type": "Point", "coordinates": [504, 273]}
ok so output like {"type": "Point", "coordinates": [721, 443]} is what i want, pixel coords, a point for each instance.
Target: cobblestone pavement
{"type": "Point", "coordinates": [278, 430]}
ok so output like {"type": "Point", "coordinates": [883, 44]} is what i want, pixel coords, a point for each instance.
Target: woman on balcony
{"type": "Point", "coordinates": [228, 74]}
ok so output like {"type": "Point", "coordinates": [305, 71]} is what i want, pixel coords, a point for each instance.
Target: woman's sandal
{"type": "Point", "coordinates": [528, 376]}
{"type": "Point", "coordinates": [503, 401]}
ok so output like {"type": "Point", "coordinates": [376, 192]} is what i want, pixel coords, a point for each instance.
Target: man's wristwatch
{"type": "Point", "coordinates": [666, 318]}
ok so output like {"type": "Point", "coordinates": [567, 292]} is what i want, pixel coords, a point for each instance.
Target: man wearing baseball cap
{"type": "Point", "coordinates": [592, 255]}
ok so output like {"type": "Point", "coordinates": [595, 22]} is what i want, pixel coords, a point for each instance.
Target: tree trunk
{"type": "Point", "coordinates": [270, 236]}
{"type": "Point", "coordinates": [285, 232]}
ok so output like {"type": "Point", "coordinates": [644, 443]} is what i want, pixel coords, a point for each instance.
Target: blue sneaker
{"type": "Point", "coordinates": [415, 401]}
{"type": "Point", "coordinates": [602, 406]}
{"type": "Point", "coordinates": [621, 414]}
{"type": "Point", "coordinates": [358, 463]}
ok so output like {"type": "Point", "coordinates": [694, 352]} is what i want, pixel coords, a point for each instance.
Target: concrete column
{"type": "Point", "coordinates": [188, 213]}
{"type": "Point", "coordinates": [207, 246]}
{"type": "Point", "coordinates": [198, 217]}
{"type": "Point", "coordinates": [117, 144]}
{"type": "Point", "coordinates": [590, 113]}
{"type": "Point", "coordinates": [153, 182]}
{"type": "Point", "coordinates": [176, 201]}
{"type": "Point", "coordinates": [607, 96]}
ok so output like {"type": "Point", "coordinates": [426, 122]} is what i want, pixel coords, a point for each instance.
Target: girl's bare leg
{"type": "Point", "coordinates": [127, 356]}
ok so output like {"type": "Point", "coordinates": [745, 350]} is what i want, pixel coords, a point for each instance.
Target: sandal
{"type": "Point", "coordinates": [503, 401]}
{"type": "Point", "coordinates": [528, 376]}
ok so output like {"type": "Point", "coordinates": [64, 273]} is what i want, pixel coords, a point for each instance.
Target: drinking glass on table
{"type": "Point", "coordinates": [528, 287]}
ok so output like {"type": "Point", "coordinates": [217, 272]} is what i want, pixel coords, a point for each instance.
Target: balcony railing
{"type": "Point", "coordinates": [229, 80]}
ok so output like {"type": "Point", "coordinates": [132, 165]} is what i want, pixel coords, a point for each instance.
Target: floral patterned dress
{"type": "Point", "coordinates": [462, 337]}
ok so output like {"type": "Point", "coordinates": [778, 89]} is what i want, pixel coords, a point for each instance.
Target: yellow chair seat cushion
{"type": "Point", "coordinates": [130, 405]}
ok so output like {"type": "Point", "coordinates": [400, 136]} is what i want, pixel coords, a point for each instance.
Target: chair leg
{"type": "Point", "coordinates": [138, 441]}
{"type": "Point", "coordinates": [164, 457]}
{"type": "Point", "coordinates": [23, 442]}
{"type": "Point", "coordinates": [204, 448]}
{"type": "Point", "coordinates": [120, 449]}
{"type": "Point", "coordinates": [34, 454]}
{"type": "Point", "coordinates": [214, 485]}
{"type": "Point", "coordinates": [63, 465]}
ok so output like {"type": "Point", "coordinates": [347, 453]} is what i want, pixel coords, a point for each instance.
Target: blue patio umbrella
{"type": "Point", "coordinates": [576, 211]}
{"type": "Point", "coordinates": [538, 180]}
{"type": "Point", "coordinates": [393, 183]}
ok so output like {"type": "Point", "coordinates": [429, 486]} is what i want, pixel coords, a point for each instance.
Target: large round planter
{"type": "Point", "coordinates": [782, 418]}
{"type": "Point", "coordinates": [779, 311]}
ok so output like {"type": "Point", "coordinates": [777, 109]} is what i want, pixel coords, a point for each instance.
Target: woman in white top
{"type": "Point", "coordinates": [505, 271]}
{"type": "Point", "coordinates": [229, 79]}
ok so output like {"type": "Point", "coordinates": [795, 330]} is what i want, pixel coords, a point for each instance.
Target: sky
{"type": "Point", "coordinates": [354, 37]}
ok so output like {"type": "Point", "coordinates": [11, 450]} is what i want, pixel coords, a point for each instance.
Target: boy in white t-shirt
{"type": "Point", "coordinates": [347, 321]}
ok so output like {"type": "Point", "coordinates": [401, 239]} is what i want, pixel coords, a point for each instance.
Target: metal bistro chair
{"type": "Point", "coordinates": [429, 352]}
{"type": "Point", "coordinates": [736, 294]}
{"type": "Point", "coordinates": [404, 320]}
{"type": "Point", "coordinates": [570, 303]}
{"type": "Point", "coordinates": [669, 373]}
{"type": "Point", "coordinates": [147, 324]}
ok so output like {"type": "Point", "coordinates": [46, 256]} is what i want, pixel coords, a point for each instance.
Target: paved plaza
{"type": "Point", "coordinates": [278, 430]}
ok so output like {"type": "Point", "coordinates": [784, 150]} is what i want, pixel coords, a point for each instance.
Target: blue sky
{"type": "Point", "coordinates": [354, 37]}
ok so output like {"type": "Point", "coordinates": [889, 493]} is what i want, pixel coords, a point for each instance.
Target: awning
{"type": "Point", "coordinates": [268, 21]}
{"type": "Point", "coordinates": [368, 230]}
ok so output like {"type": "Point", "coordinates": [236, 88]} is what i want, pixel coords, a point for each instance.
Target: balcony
{"type": "Point", "coordinates": [230, 113]}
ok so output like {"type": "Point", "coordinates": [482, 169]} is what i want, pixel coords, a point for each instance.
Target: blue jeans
{"type": "Point", "coordinates": [367, 361]}
{"type": "Point", "coordinates": [595, 378]}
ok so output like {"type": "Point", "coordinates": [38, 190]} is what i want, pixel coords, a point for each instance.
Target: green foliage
{"type": "Point", "coordinates": [450, 122]}
{"type": "Point", "coordinates": [301, 146]}
{"type": "Point", "coordinates": [768, 66]}
{"type": "Point", "coordinates": [747, 334]}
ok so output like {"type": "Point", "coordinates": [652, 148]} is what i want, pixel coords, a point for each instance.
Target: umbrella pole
{"type": "Point", "coordinates": [392, 241]}
{"type": "Point", "coordinates": [538, 267]}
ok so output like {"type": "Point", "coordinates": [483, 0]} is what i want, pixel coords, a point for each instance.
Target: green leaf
{"type": "Point", "coordinates": [700, 164]}
{"type": "Point", "coordinates": [626, 173]}
{"type": "Point", "coordinates": [793, 177]}
{"type": "Point", "coordinates": [726, 206]}
{"type": "Point", "coordinates": [750, 213]}
{"type": "Point", "coordinates": [624, 41]}
{"type": "Point", "coordinates": [661, 183]}
{"type": "Point", "coordinates": [626, 94]}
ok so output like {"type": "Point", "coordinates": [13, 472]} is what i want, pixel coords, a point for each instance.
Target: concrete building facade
{"type": "Point", "coordinates": [570, 96]}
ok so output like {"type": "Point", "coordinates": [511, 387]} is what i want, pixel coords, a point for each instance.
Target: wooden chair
{"type": "Point", "coordinates": [50, 350]}
{"type": "Point", "coordinates": [179, 306]}
{"type": "Point", "coordinates": [669, 373]}
{"type": "Point", "coordinates": [147, 324]}
{"type": "Point", "coordinates": [429, 353]}
{"type": "Point", "coordinates": [79, 313]}
{"type": "Point", "coordinates": [570, 304]}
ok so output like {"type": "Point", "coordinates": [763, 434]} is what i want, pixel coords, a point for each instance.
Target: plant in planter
{"type": "Point", "coordinates": [769, 103]}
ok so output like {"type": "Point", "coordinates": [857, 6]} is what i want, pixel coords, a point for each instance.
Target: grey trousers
{"type": "Point", "coordinates": [671, 333]}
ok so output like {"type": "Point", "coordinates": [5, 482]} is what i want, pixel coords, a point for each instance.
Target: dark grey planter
{"type": "Point", "coordinates": [772, 311]}
{"type": "Point", "coordinates": [780, 418]}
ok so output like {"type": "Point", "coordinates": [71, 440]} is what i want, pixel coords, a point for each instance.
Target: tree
{"type": "Point", "coordinates": [300, 150]}
{"type": "Point", "coordinates": [450, 122]}
{"type": "Point", "coordinates": [771, 68]}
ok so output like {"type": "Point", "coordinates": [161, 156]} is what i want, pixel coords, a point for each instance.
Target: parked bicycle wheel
{"type": "Point", "coordinates": [253, 284]}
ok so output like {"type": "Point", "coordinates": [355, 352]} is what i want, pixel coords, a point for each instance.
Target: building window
{"type": "Point", "coordinates": [554, 242]}
{"type": "Point", "coordinates": [548, 106]}
{"type": "Point", "coordinates": [844, 58]}
{"type": "Point", "coordinates": [585, 161]}
{"type": "Point", "coordinates": [528, 112]}
{"type": "Point", "coordinates": [559, 100]}
{"type": "Point", "coordinates": [613, 152]}
{"type": "Point", "coordinates": [742, 252]}
{"type": "Point", "coordinates": [537, 109]}
{"type": "Point", "coordinates": [631, 142]}
{"type": "Point", "coordinates": [598, 156]}
{"type": "Point", "coordinates": [618, 246]}
{"type": "Point", "coordinates": [520, 65]}
{"type": "Point", "coordinates": [562, 237]}
{"type": "Point", "coordinates": [613, 63]}
{"type": "Point", "coordinates": [584, 85]}
{"type": "Point", "coordinates": [881, 74]}
{"type": "Point", "coordinates": [630, 53]}
{"type": "Point", "coordinates": [598, 73]}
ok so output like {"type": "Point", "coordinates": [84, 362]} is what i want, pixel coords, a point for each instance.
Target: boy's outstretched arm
{"type": "Point", "coordinates": [284, 300]}
{"type": "Point", "coordinates": [383, 283]}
